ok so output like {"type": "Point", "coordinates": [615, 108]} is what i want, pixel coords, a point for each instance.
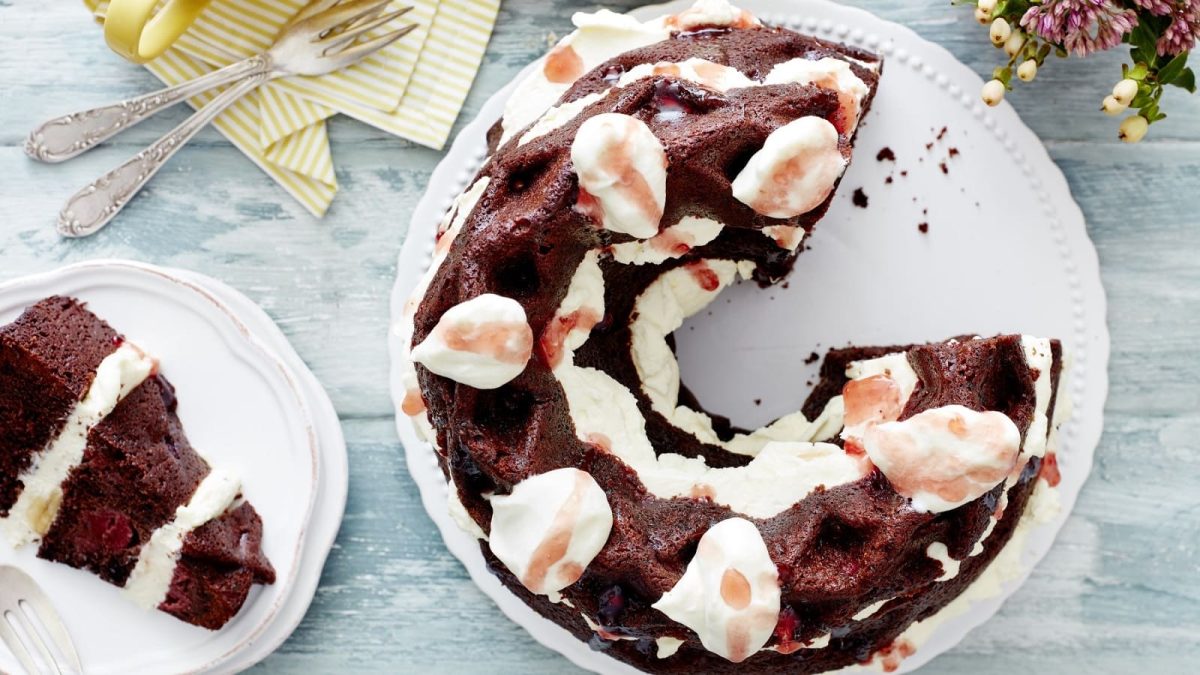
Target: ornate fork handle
{"type": "Point", "coordinates": [65, 137]}
{"type": "Point", "coordinates": [95, 205]}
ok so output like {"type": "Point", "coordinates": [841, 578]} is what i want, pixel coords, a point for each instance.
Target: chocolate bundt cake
{"type": "Point", "coordinates": [95, 466]}
{"type": "Point", "coordinates": [641, 170]}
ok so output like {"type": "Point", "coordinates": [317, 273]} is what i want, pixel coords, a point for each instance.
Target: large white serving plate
{"type": "Point", "coordinates": [248, 403]}
{"type": "Point", "coordinates": [1007, 251]}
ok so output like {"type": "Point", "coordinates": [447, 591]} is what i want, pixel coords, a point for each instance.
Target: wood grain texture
{"type": "Point", "coordinates": [1117, 594]}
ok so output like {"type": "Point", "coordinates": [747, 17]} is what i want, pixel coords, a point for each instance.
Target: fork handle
{"type": "Point", "coordinates": [65, 137]}
{"type": "Point", "coordinates": [94, 206]}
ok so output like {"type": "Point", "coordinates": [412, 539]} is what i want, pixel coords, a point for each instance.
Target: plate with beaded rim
{"type": "Point", "coordinates": [279, 433]}
{"type": "Point", "coordinates": [898, 227]}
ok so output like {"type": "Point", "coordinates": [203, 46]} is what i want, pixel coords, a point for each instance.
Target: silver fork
{"type": "Point", "coordinates": [322, 38]}
{"type": "Point", "coordinates": [23, 604]}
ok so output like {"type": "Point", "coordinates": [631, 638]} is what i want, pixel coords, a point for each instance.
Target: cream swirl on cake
{"type": "Point", "coordinates": [641, 170]}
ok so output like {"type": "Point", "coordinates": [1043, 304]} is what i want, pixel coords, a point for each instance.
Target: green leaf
{"type": "Point", "coordinates": [1170, 72]}
{"type": "Point", "coordinates": [1139, 71]}
{"type": "Point", "coordinates": [1141, 99]}
{"type": "Point", "coordinates": [1144, 38]}
{"type": "Point", "coordinates": [1186, 80]}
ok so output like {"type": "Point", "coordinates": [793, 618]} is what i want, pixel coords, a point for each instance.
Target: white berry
{"type": "Point", "coordinates": [993, 92]}
{"type": "Point", "coordinates": [986, 5]}
{"type": "Point", "coordinates": [1000, 32]}
{"type": "Point", "coordinates": [1015, 43]}
{"type": "Point", "coordinates": [1111, 106]}
{"type": "Point", "coordinates": [1133, 129]}
{"type": "Point", "coordinates": [1027, 70]}
{"type": "Point", "coordinates": [1125, 90]}
{"type": "Point", "coordinates": [982, 16]}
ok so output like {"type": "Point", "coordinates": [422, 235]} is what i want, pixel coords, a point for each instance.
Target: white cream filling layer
{"type": "Point", "coordinates": [451, 225]}
{"type": "Point", "coordinates": [660, 310]}
{"type": "Point", "coordinates": [939, 552]}
{"type": "Point", "coordinates": [37, 506]}
{"type": "Point", "coordinates": [667, 646]}
{"type": "Point", "coordinates": [827, 72]}
{"type": "Point", "coordinates": [782, 472]}
{"type": "Point", "coordinates": [1040, 358]}
{"type": "Point", "coordinates": [672, 242]}
{"type": "Point", "coordinates": [1043, 507]}
{"type": "Point", "coordinates": [151, 578]}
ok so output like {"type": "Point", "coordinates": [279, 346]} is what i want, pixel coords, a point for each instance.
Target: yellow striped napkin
{"type": "Point", "coordinates": [414, 88]}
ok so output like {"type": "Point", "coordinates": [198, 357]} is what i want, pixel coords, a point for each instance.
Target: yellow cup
{"type": "Point", "coordinates": [134, 30]}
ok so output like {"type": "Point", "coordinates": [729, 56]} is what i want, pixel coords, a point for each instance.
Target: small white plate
{"type": "Point", "coordinates": [247, 403]}
{"type": "Point", "coordinates": [1007, 251]}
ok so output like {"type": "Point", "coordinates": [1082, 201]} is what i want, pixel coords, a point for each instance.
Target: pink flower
{"type": "Point", "coordinates": [1183, 32]}
{"type": "Point", "coordinates": [1156, 7]}
{"type": "Point", "coordinates": [1081, 26]}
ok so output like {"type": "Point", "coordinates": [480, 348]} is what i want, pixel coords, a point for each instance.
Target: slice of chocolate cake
{"type": "Point", "coordinates": [109, 483]}
{"type": "Point", "coordinates": [48, 358]}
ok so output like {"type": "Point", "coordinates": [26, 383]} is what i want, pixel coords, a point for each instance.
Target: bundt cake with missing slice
{"type": "Point", "coordinates": [642, 169]}
{"type": "Point", "coordinates": [95, 466]}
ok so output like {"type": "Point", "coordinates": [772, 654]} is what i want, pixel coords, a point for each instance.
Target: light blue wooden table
{"type": "Point", "coordinates": [1119, 593]}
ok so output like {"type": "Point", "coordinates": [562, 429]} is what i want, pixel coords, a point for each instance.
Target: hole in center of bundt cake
{"type": "Point", "coordinates": [743, 359]}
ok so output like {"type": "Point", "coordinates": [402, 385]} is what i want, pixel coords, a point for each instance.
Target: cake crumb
{"type": "Point", "coordinates": [954, 152]}
{"type": "Point", "coordinates": [923, 227]}
{"type": "Point", "coordinates": [887, 181]}
{"type": "Point", "coordinates": [860, 198]}
{"type": "Point", "coordinates": [929, 145]}
{"type": "Point", "coordinates": [942, 133]}
{"type": "Point", "coordinates": [945, 169]}
{"type": "Point", "coordinates": [812, 358]}
{"type": "Point", "coordinates": [904, 173]}
{"type": "Point", "coordinates": [886, 155]}
{"type": "Point", "coordinates": [758, 401]}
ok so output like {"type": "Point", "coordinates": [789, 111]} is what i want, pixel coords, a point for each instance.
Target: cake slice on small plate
{"type": "Point", "coordinates": [96, 468]}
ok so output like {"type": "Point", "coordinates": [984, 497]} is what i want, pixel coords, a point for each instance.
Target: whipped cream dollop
{"type": "Point", "coordinates": [484, 342]}
{"type": "Point", "coordinates": [548, 530]}
{"type": "Point", "coordinates": [729, 593]}
{"type": "Point", "coordinates": [622, 170]}
{"type": "Point", "coordinates": [712, 14]}
{"type": "Point", "coordinates": [701, 71]}
{"type": "Point", "coordinates": [877, 392]}
{"type": "Point", "coordinates": [944, 457]}
{"type": "Point", "coordinates": [794, 171]}
{"type": "Point", "coordinates": [597, 38]}
{"type": "Point", "coordinates": [826, 73]}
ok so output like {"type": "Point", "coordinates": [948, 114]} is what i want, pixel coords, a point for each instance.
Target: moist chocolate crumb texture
{"type": "Point", "coordinates": [96, 470]}
{"type": "Point", "coordinates": [641, 170]}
